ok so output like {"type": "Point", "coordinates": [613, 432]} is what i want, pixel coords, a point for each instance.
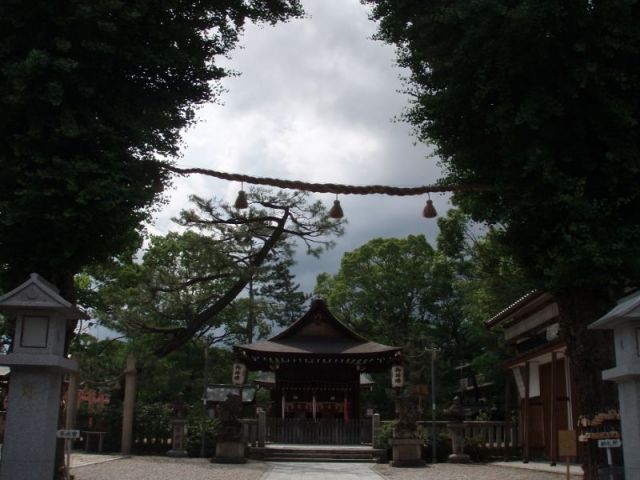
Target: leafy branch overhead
{"type": "Point", "coordinates": [187, 284]}
{"type": "Point", "coordinates": [93, 93]}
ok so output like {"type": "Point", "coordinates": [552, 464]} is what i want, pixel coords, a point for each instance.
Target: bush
{"type": "Point", "coordinates": [195, 432]}
{"type": "Point", "coordinates": [385, 433]}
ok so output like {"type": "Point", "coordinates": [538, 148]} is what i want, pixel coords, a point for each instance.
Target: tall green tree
{"type": "Point", "coordinates": [538, 101]}
{"type": "Point", "coordinates": [94, 95]}
{"type": "Point", "coordinates": [401, 291]}
{"type": "Point", "coordinates": [190, 285]}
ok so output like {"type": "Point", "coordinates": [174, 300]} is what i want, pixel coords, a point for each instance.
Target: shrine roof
{"type": "Point", "coordinates": [318, 332]}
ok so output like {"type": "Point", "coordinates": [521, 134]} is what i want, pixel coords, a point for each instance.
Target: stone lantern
{"type": "Point", "coordinates": [624, 320]}
{"type": "Point", "coordinates": [456, 429]}
{"type": "Point", "coordinates": [37, 362]}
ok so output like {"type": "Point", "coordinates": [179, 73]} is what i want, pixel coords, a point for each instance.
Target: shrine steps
{"type": "Point", "coordinates": [316, 453]}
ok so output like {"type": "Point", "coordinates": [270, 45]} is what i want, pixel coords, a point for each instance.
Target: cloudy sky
{"type": "Point", "coordinates": [315, 102]}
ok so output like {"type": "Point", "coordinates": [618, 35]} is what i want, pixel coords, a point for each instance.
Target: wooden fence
{"type": "Point", "coordinates": [319, 432]}
{"type": "Point", "coordinates": [481, 434]}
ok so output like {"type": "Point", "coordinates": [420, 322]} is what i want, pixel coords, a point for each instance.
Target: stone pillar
{"type": "Point", "coordinates": [456, 430]}
{"type": "Point", "coordinates": [128, 405]}
{"type": "Point", "coordinates": [179, 438]}
{"type": "Point", "coordinates": [262, 428]}
{"type": "Point", "coordinates": [72, 402]}
{"type": "Point", "coordinates": [38, 364]}
{"type": "Point", "coordinates": [406, 444]}
{"type": "Point", "coordinates": [375, 431]}
{"type": "Point", "coordinates": [624, 320]}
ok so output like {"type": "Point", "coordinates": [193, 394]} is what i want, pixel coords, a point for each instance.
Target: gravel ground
{"type": "Point", "coordinates": [448, 471]}
{"type": "Point", "coordinates": [163, 468]}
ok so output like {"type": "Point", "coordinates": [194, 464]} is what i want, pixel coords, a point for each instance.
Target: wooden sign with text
{"type": "Point", "coordinates": [567, 443]}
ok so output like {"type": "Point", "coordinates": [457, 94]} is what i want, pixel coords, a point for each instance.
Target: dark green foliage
{"type": "Point", "coordinates": [190, 284]}
{"type": "Point", "coordinates": [404, 292]}
{"type": "Point", "coordinates": [92, 95]}
{"type": "Point", "coordinates": [195, 427]}
{"type": "Point", "coordinates": [538, 100]}
{"type": "Point", "coordinates": [152, 423]}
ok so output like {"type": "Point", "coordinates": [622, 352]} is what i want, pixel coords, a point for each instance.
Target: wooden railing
{"type": "Point", "coordinates": [483, 434]}
{"type": "Point", "coordinates": [491, 434]}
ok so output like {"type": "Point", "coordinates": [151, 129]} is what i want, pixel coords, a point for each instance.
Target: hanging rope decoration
{"type": "Point", "coordinates": [241, 200]}
{"type": "Point", "coordinates": [336, 211]}
{"type": "Point", "coordinates": [429, 210]}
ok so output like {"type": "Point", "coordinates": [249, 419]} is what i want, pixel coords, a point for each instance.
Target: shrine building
{"type": "Point", "coordinates": [316, 368]}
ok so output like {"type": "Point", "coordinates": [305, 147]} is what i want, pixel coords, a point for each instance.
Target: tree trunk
{"type": "Point", "coordinates": [589, 353]}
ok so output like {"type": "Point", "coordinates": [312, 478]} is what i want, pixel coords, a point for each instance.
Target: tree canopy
{"type": "Point", "coordinates": [189, 284]}
{"type": "Point", "coordinates": [405, 292]}
{"type": "Point", "coordinates": [94, 96]}
{"type": "Point", "coordinates": [537, 101]}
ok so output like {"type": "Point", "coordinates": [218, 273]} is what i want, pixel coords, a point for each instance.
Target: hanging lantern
{"type": "Point", "coordinates": [241, 200]}
{"type": "Point", "coordinates": [397, 376]}
{"type": "Point", "coordinates": [336, 211]}
{"type": "Point", "coordinates": [429, 210]}
{"type": "Point", "coordinates": [239, 375]}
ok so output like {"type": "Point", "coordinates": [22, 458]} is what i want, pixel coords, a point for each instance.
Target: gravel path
{"type": "Point", "coordinates": [164, 468]}
{"type": "Point", "coordinates": [448, 471]}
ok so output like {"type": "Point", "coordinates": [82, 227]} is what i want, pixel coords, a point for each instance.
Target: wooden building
{"type": "Point", "coordinates": [317, 365]}
{"type": "Point", "coordinates": [540, 371]}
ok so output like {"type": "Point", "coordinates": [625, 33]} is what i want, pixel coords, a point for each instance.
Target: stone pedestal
{"type": "Point", "coordinates": [38, 364]}
{"type": "Point", "coordinates": [624, 320]}
{"type": "Point", "coordinates": [179, 438]}
{"type": "Point", "coordinates": [456, 431]}
{"type": "Point", "coordinates": [406, 452]}
{"type": "Point", "coordinates": [230, 452]}
{"type": "Point", "coordinates": [30, 431]}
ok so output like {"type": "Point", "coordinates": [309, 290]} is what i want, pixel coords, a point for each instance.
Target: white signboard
{"type": "Point", "coordinates": [397, 376]}
{"type": "Point", "coordinates": [239, 374]}
{"type": "Point", "coordinates": [609, 443]}
{"type": "Point", "coordinates": [68, 434]}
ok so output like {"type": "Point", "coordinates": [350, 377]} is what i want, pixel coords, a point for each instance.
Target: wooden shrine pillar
{"type": "Point", "coordinates": [356, 399]}
{"type": "Point", "coordinates": [128, 405]}
{"type": "Point", "coordinates": [553, 414]}
{"type": "Point", "coordinates": [72, 402]}
{"type": "Point", "coordinates": [507, 418]}
{"type": "Point", "coordinates": [525, 413]}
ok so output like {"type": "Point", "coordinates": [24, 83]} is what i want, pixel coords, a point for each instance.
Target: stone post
{"type": "Point", "coordinates": [38, 364]}
{"type": "Point", "coordinates": [406, 444]}
{"type": "Point", "coordinates": [72, 402]}
{"type": "Point", "coordinates": [128, 405]}
{"type": "Point", "coordinates": [375, 431]}
{"type": "Point", "coordinates": [262, 428]}
{"type": "Point", "coordinates": [624, 320]}
{"type": "Point", "coordinates": [456, 429]}
{"type": "Point", "coordinates": [179, 426]}
{"type": "Point", "coordinates": [179, 438]}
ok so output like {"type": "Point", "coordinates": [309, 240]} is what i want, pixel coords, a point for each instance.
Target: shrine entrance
{"type": "Point", "coordinates": [315, 370]}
